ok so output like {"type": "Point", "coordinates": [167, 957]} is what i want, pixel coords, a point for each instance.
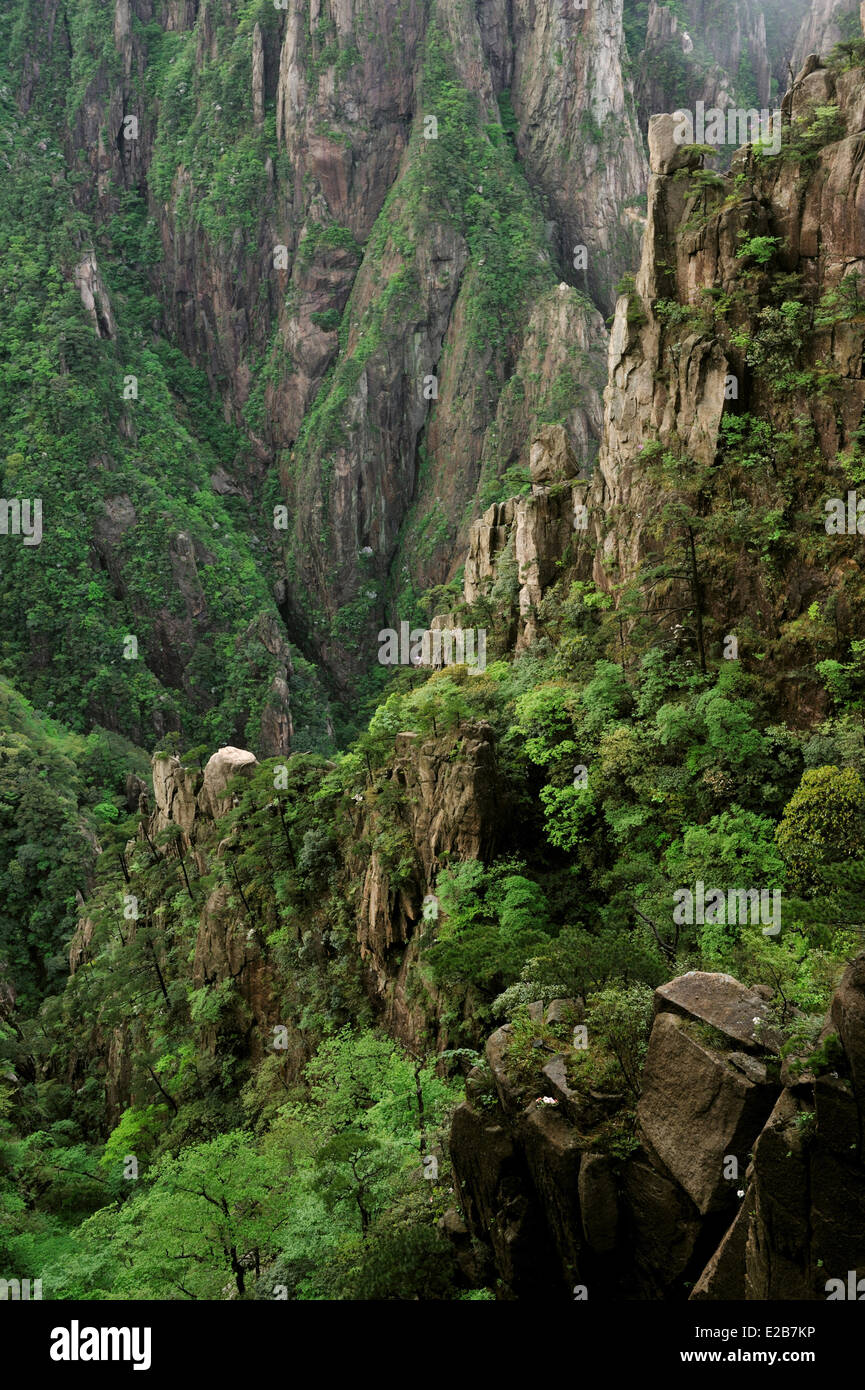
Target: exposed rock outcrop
{"type": "Point", "coordinates": [94, 296]}
{"type": "Point", "coordinates": [679, 370]}
{"type": "Point", "coordinates": [690, 1209]}
{"type": "Point", "coordinates": [730, 1092]}
{"type": "Point", "coordinates": [588, 181]}
{"type": "Point", "coordinates": [690, 51]}
{"type": "Point", "coordinates": [454, 811]}
{"type": "Point", "coordinates": [225, 764]}
{"type": "Point", "coordinates": [824, 24]}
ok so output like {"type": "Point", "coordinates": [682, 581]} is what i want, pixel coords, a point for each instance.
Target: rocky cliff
{"type": "Point", "coordinates": [693, 55]}
{"type": "Point", "coordinates": [436, 800]}
{"type": "Point", "coordinates": [296, 185]}
{"type": "Point", "coordinates": [707, 352]}
{"type": "Point", "coordinates": [825, 23]}
{"type": "Point", "coordinates": [385, 236]}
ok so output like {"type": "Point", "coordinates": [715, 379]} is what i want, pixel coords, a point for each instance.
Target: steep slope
{"type": "Point", "coordinates": [824, 24]}
{"type": "Point", "coordinates": [270, 177]}
{"type": "Point", "coordinates": [562, 1190]}
{"type": "Point", "coordinates": [266, 176]}
{"type": "Point", "coordinates": [146, 605]}
{"type": "Point", "coordinates": [733, 410]}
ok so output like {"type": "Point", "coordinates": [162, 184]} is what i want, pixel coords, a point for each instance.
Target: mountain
{"type": "Point", "coordinates": [331, 331]}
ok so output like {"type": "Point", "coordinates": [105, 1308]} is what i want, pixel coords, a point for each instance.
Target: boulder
{"type": "Point", "coordinates": [723, 1003]}
{"type": "Point", "coordinates": [226, 763]}
{"type": "Point", "coordinates": [698, 1108]}
{"type": "Point", "coordinates": [808, 1187]}
{"type": "Point", "coordinates": [551, 458]}
{"type": "Point", "coordinates": [838, 1121]}
{"type": "Point", "coordinates": [777, 1254]}
{"type": "Point", "coordinates": [471, 1256]}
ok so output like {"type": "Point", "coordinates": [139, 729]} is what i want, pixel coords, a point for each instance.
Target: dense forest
{"type": "Point", "coordinates": [333, 967]}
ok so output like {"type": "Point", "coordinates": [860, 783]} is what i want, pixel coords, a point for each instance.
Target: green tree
{"type": "Point", "coordinates": [209, 1216]}
{"type": "Point", "coordinates": [824, 821]}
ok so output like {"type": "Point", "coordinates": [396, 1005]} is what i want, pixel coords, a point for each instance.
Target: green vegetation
{"type": "Point", "coordinates": [135, 540]}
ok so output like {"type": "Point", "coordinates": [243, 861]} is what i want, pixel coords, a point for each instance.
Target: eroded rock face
{"type": "Point", "coordinates": [450, 788]}
{"type": "Point", "coordinates": [79, 946]}
{"type": "Point", "coordinates": [671, 384]}
{"type": "Point", "coordinates": [227, 948]}
{"type": "Point", "coordinates": [551, 458]}
{"type": "Point", "coordinates": [678, 44]}
{"type": "Point", "coordinates": [175, 791]}
{"type": "Point", "coordinates": [534, 533]}
{"type": "Point", "coordinates": [257, 75]}
{"type": "Point", "coordinates": [821, 28]}
{"type": "Point", "coordinates": [341, 82]}
{"type": "Point", "coordinates": [678, 402]}
{"type": "Point", "coordinates": [677, 1214]}
{"type": "Point", "coordinates": [94, 296]}
{"type": "Point", "coordinates": [226, 763]}
{"type": "Point", "coordinates": [698, 1108]}
{"type": "Point", "coordinates": [588, 182]}
{"type": "Point", "coordinates": [454, 809]}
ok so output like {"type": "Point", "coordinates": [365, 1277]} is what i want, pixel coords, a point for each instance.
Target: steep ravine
{"type": "Point", "coordinates": [322, 260]}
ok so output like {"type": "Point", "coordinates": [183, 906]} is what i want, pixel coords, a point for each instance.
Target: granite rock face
{"type": "Point", "coordinates": [454, 812]}
{"type": "Point", "coordinates": [331, 107]}
{"type": "Point", "coordinates": [322, 308]}
{"type": "Point", "coordinates": [679, 371]}
{"type": "Point", "coordinates": [824, 23]}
